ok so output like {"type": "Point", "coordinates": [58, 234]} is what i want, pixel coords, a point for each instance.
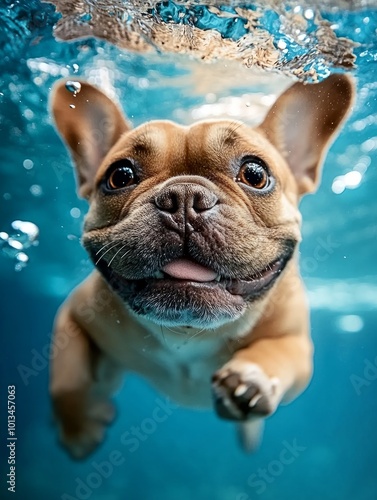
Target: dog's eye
{"type": "Point", "coordinates": [121, 175]}
{"type": "Point", "coordinates": [253, 172]}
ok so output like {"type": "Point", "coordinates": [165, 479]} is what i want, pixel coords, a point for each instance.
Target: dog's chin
{"type": "Point", "coordinates": [175, 302]}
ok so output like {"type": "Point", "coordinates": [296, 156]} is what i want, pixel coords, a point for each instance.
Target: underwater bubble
{"type": "Point", "coordinates": [36, 190]}
{"type": "Point", "coordinates": [338, 185]}
{"type": "Point", "coordinates": [309, 14]}
{"type": "Point", "coordinates": [350, 323]}
{"type": "Point", "coordinates": [352, 179]}
{"type": "Point", "coordinates": [369, 145]}
{"type": "Point", "coordinates": [75, 67]}
{"type": "Point", "coordinates": [143, 83]}
{"type": "Point", "coordinates": [75, 212]}
{"type": "Point", "coordinates": [38, 81]}
{"type": "Point", "coordinates": [72, 106]}
{"type": "Point", "coordinates": [26, 229]}
{"type": "Point", "coordinates": [360, 125]}
{"type": "Point", "coordinates": [13, 245]}
{"type": "Point", "coordinates": [28, 114]}
{"type": "Point", "coordinates": [3, 237]}
{"type": "Point", "coordinates": [7, 196]}
{"type": "Point", "coordinates": [22, 260]}
{"type": "Point", "coordinates": [22, 257]}
{"type": "Point", "coordinates": [28, 164]}
{"type": "Point", "coordinates": [363, 164]}
{"type": "Point", "coordinates": [73, 86]}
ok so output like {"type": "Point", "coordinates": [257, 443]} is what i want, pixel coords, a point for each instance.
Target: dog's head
{"type": "Point", "coordinates": [193, 225]}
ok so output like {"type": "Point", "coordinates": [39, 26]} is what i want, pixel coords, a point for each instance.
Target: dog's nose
{"type": "Point", "coordinates": [186, 198]}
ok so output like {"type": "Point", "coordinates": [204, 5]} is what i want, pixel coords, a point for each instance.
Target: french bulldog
{"type": "Point", "coordinates": [193, 232]}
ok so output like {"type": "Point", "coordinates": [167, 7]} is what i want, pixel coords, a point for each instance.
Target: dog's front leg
{"type": "Point", "coordinates": [82, 381]}
{"type": "Point", "coordinates": [260, 376]}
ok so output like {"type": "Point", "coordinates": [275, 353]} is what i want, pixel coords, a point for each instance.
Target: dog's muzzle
{"type": "Point", "coordinates": [182, 202]}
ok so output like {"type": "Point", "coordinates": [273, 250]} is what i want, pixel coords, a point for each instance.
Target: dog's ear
{"type": "Point", "coordinates": [90, 124]}
{"type": "Point", "coordinates": [303, 122]}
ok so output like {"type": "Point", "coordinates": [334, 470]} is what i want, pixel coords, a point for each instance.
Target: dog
{"type": "Point", "coordinates": [193, 232]}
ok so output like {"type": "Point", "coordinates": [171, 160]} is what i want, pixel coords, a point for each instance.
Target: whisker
{"type": "Point", "coordinates": [195, 335]}
{"type": "Point", "coordinates": [163, 335]}
{"type": "Point", "coordinates": [108, 250]}
{"type": "Point", "coordinates": [104, 246]}
{"type": "Point", "coordinates": [124, 254]}
{"type": "Point", "coordinates": [120, 249]}
{"type": "Point", "coordinates": [176, 333]}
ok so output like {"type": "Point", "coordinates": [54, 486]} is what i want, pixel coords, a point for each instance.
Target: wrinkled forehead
{"type": "Point", "coordinates": [165, 142]}
{"type": "Point", "coordinates": [207, 135]}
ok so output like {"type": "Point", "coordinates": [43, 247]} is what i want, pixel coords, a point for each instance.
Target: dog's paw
{"type": "Point", "coordinates": [242, 389]}
{"type": "Point", "coordinates": [82, 426]}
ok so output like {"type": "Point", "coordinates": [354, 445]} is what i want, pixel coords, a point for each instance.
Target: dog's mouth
{"type": "Point", "coordinates": [185, 292]}
{"type": "Point", "coordinates": [186, 271]}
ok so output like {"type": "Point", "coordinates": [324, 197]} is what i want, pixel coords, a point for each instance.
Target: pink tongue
{"type": "Point", "coordinates": [185, 269]}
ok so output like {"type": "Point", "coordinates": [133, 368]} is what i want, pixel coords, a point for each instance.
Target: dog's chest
{"type": "Point", "coordinates": [182, 369]}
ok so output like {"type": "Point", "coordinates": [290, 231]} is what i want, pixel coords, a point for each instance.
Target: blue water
{"type": "Point", "coordinates": [332, 427]}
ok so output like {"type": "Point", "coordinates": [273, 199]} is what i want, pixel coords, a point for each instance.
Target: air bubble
{"type": "Point", "coordinates": [14, 244]}
{"type": "Point", "coordinates": [28, 230]}
{"type": "Point", "coordinates": [369, 145]}
{"type": "Point", "coordinates": [73, 87]}
{"type": "Point", "coordinates": [36, 190]}
{"type": "Point", "coordinates": [28, 114]}
{"type": "Point", "coordinates": [350, 323]}
{"type": "Point", "coordinates": [75, 212]}
{"type": "Point", "coordinates": [28, 164]}
{"type": "Point", "coordinates": [22, 257]}
{"type": "Point", "coordinates": [338, 185]}
{"type": "Point", "coordinates": [309, 14]}
{"type": "Point", "coordinates": [352, 179]}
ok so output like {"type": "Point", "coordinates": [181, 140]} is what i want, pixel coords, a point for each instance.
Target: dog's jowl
{"type": "Point", "coordinates": [193, 232]}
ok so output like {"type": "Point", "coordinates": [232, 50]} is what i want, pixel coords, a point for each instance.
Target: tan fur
{"type": "Point", "coordinates": [263, 349]}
